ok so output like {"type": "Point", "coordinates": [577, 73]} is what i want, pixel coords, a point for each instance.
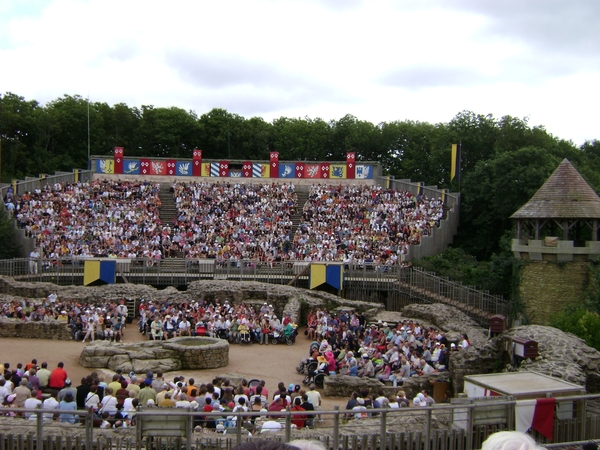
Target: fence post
{"type": "Point", "coordinates": [89, 428]}
{"type": "Point", "coordinates": [288, 425]}
{"type": "Point", "coordinates": [469, 429]}
{"type": "Point", "coordinates": [190, 431]}
{"type": "Point", "coordinates": [336, 427]}
{"type": "Point", "coordinates": [583, 419]}
{"type": "Point", "coordinates": [238, 429]}
{"type": "Point", "coordinates": [40, 427]}
{"type": "Point", "coordinates": [382, 430]}
{"type": "Point", "coordinates": [427, 443]}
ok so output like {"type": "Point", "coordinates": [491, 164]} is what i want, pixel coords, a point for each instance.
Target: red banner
{"type": "Point", "coordinates": [350, 164]}
{"type": "Point", "coordinates": [158, 167]}
{"type": "Point", "coordinates": [171, 166]}
{"type": "Point", "coordinates": [299, 170]}
{"type": "Point", "coordinates": [274, 158]}
{"type": "Point", "coordinates": [145, 166]}
{"type": "Point", "coordinates": [312, 171]}
{"type": "Point", "coordinates": [197, 163]}
{"type": "Point", "coordinates": [324, 170]}
{"type": "Point", "coordinates": [119, 160]}
{"type": "Point", "coordinates": [247, 169]}
{"type": "Point", "coordinates": [224, 169]}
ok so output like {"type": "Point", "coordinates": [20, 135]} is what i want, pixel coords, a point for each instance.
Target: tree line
{"type": "Point", "coordinates": [504, 160]}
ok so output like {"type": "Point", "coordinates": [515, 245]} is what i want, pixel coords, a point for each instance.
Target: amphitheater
{"type": "Point", "coordinates": [387, 292]}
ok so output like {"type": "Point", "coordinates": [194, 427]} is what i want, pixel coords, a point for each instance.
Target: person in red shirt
{"type": "Point", "coordinates": [58, 377]}
{"type": "Point", "coordinates": [277, 406]}
{"type": "Point", "coordinates": [299, 419]}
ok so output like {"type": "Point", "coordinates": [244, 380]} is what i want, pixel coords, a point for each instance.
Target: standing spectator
{"type": "Point", "coordinates": [34, 257]}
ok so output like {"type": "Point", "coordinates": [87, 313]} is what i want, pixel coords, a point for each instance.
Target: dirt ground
{"type": "Point", "coordinates": [272, 363]}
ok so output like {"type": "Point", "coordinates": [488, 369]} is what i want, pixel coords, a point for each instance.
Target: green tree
{"type": "Point", "coordinates": [301, 139]}
{"type": "Point", "coordinates": [18, 136]}
{"type": "Point", "coordinates": [9, 248]}
{"type": "Point", "coordinates": [581, 322]}
{"type": "Point", "coordinates": [493, 190]}
{"type": "Point", "coordinates": [168, 132]}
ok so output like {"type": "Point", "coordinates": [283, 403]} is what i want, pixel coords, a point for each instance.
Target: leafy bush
{"type": "Point", "coordinates": [581, 322]}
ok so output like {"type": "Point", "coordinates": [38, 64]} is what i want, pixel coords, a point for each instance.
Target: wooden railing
{"type": "Point", "coordinates": [441, 427]}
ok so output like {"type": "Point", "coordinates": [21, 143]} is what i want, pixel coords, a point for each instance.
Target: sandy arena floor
{"type": "Point", "coordinates": [272, 363]}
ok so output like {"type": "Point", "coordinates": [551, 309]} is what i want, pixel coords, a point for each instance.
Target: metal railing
{"type": "Point", "coordinates": [430, 287]}
{"type": "Point", "coordinates": [361, 281]}
{"type": "Point", "coordinates": [444, 426]}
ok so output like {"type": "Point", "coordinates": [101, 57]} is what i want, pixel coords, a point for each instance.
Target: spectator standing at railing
{"type": "Point", "coordinates": [34, 257]}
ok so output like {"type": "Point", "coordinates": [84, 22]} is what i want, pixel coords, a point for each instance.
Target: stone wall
{"type": "Point", "coordinates": [563, 284]}
{"type": "Point", "coordinates": [184, 353]}
{"type": "Point", "coordinates": [283, 298]}
{"type": "Point", "coordinates": [15, 328]}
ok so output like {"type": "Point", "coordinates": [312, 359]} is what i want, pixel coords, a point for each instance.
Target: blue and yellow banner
{"type": "Point", "coordinates": [331, 274]}
{"type": "Point", "coordinates": [105, 166]}
{"type": "Point", "coordinates": [337, 171]}
{"type": "Point", "coordinates": [99, 272]}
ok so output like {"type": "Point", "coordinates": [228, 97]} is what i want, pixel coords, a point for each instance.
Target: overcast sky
{"type": "Point", "coordinates": [422, 60]}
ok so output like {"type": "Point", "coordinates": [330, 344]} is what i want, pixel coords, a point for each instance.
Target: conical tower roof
{"type": "Point", "coordinates": [565, 195]}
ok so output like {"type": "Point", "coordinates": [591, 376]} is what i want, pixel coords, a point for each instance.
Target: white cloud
{"type": "Point", "coordinates": [380, 61]}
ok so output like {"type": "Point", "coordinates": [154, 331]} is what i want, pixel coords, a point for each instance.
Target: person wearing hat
{"type": "Point", "coordinates": [22, 393]}
{"type": "Point", "coordinates": [360, 410]}
{"type": "Point", "coordinates": [68, 389]}
{"type": "Point", "coordinates": [368, 369]}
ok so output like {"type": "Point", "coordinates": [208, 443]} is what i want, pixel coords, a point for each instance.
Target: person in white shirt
{"type": "Point", "coordinates": [3, 391]}
{"type": "Point", "coordinates": [90, 328]}
{"type": "Point", "coordinates": [32, 403]}
{"type": "Point", "coordinates": [182, 401]}
{"type": "Point", "coordinates": [50, 404]}
{"type": "Point", "coordinates": [33, 261]}
{"type": "Point", "coordinates": [92, 400]}
{"type": "Point", "coordinates": [184, 327]}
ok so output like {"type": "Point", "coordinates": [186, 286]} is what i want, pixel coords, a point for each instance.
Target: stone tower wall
{"type": "Point", "coordinates": [547, 287]}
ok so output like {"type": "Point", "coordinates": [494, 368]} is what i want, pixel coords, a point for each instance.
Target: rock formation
{"type": "Point", "coordinates": [184, 353]}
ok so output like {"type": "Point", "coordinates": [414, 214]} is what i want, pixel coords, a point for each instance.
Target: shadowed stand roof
{"type": "Point", "coordinates": [565, 195]}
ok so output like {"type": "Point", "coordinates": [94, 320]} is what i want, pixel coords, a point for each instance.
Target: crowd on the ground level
{"type": "Point", "coordinates": [114, 402]}
{"type": "Point", "coordinates": [107, 320]}
{"type": "Point", "coordinates": [344, 343]}
{"type": "Point", "coordinates": [227, 222]}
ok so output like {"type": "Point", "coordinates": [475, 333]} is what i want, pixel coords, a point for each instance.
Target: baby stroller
{"type": "Point", "coordinates": [315, 373]}
{"type": "Point", "coordinates": [201, 329]}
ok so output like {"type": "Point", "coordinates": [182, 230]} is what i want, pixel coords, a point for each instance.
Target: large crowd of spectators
{"type": "Point", "coordinates": [344, 343]}
{"type": "Point", "coordinates": [227, 222]}
{"type": "Point", "coordinates": [234, 221]}
{"type": "Point", "coordinates": [357, 224]}
{"type": "Point", "coordinates": [115, 402]}
{"type": "Point", "coordinates": [101, 218]}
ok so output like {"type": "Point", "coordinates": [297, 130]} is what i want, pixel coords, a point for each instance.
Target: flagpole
{"type": "Point", "coordinates": [88, 132]}
{"type": "Point", "coordinates": [459, 164]}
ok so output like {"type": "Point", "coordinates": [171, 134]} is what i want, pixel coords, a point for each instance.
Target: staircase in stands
{"type": "Point", "coordinates": [168, 213]}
